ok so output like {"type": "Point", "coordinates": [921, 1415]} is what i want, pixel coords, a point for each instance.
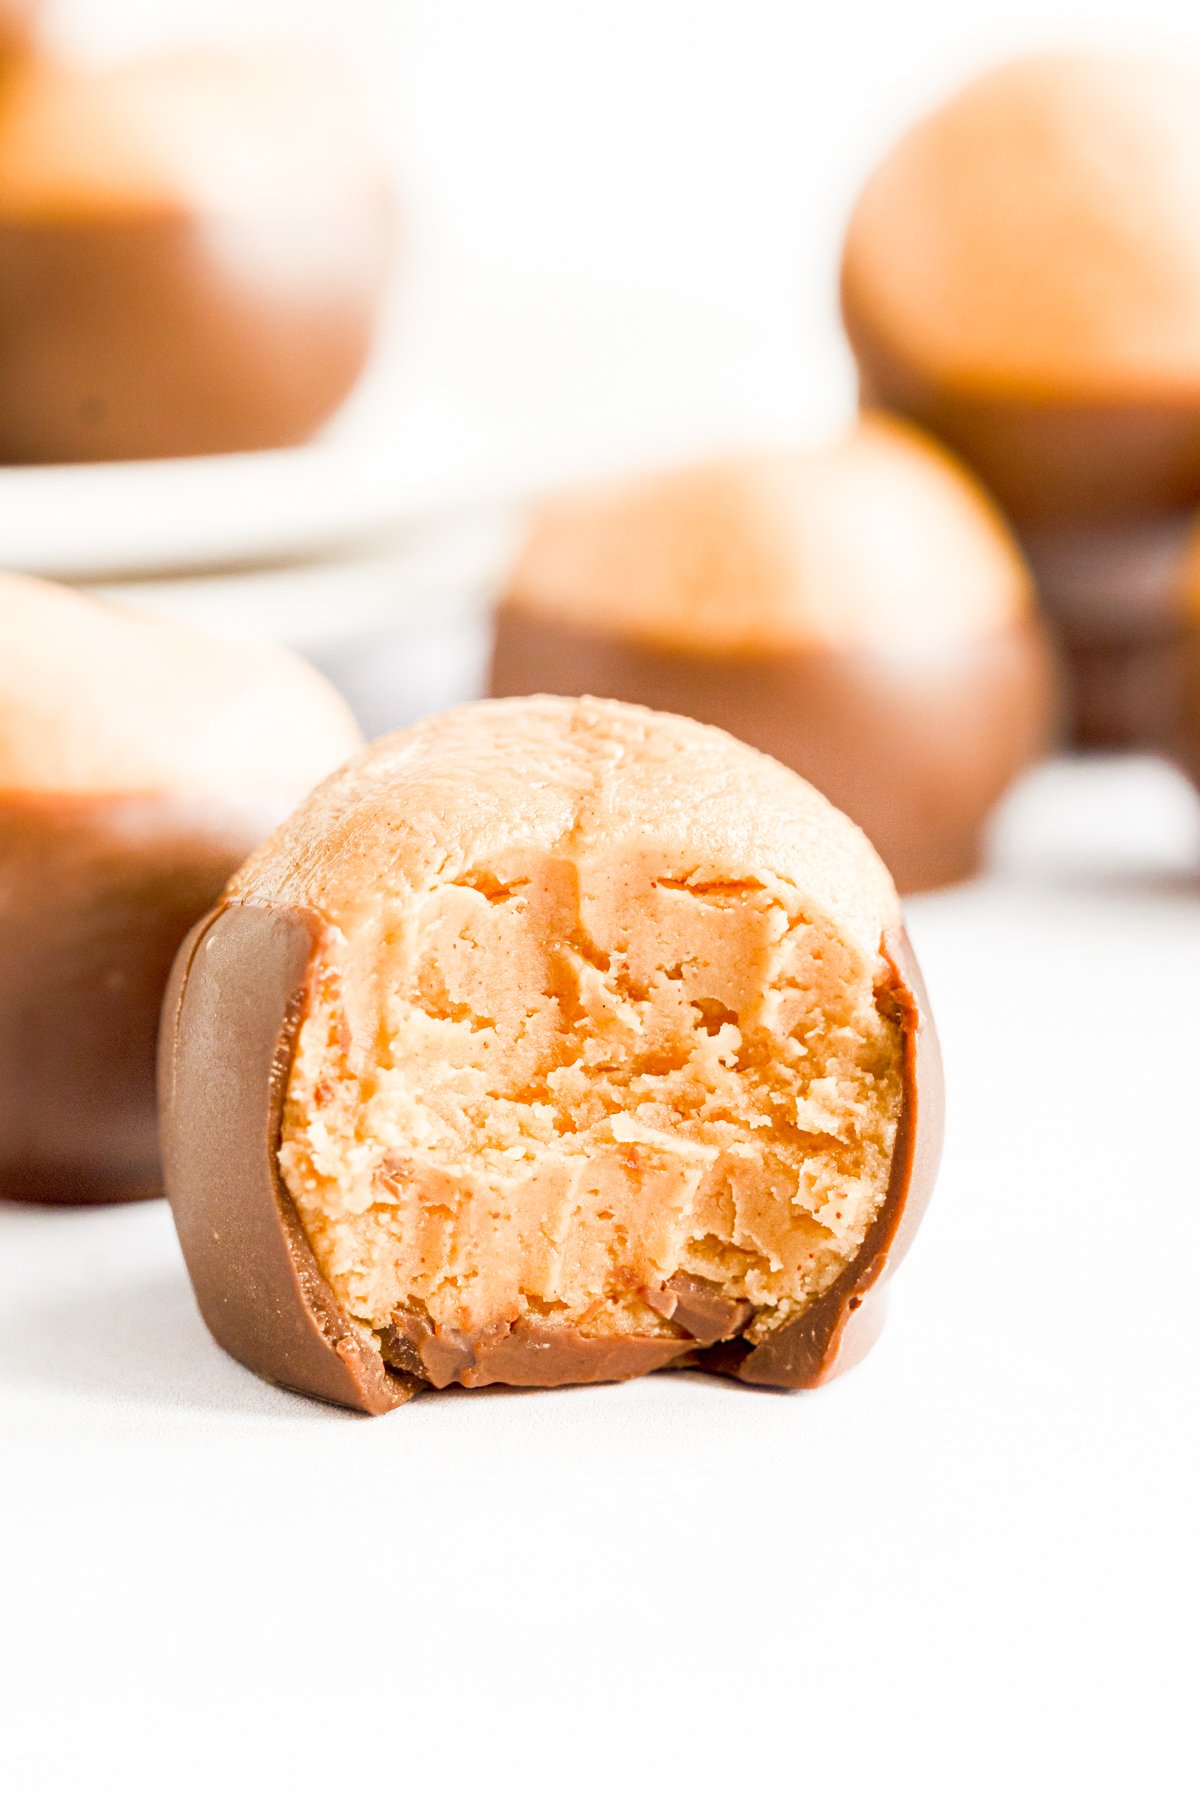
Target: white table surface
{"type": "Point", "coordinates": [966, 1569]}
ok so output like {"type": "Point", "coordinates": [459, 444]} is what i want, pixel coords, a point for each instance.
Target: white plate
{"type": "Point", "coordinates": [105, 521]}
{"type": "Point", "coordinates": [112, 519]}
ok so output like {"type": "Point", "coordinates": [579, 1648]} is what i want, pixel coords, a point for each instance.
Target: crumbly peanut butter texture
{"type": "Point", "coordinates": [600, 1005]}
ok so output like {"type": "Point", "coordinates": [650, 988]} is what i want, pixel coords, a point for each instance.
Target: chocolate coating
{"type": "Point", "coordinates": [916, 749]}
{"type": "Point", "coordinates": [228, 1027]}
{"type": "Point", "coordinates": [1020, 278]}
{"type": "Point", "coordinates": [96, 894]}
{"type": "Point", "coordinates": [1180, 740]}
{"type": "Point", "coordinates": [158, 299]}
{"type": "Point", "coordinates": [1185, 745]}
{"type": "Point", "coordinates": [702, 1311]}
{"type": "Point", "coordinates": [1050, 462]}
{"type": "Point", "coordinates": [1117, 595]}
{"type": "Point", "coordinates": [527, 1354]}
{"type": "Point", "coordinates": [230, 1019]}
{"type": "Point", "coordinates": [523, 1354]}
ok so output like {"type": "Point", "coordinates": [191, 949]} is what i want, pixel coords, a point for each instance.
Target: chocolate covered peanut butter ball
{"type": "Point", "coordinates": [140, 762]}
{"type": "Point", "coordinates": [858, 611]}
{"type": "Point", "coordinates": [1022, 276]}
{"type": "Point", "coordinates": [193, 250]}
{"type": "Point", "coordinates": [550, 1041]}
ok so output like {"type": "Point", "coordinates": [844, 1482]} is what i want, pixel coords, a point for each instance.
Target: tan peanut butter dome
{"type": "Point", "coordinates": [603, 1055]}
{"type": "Point", "coordinates": [1040, 232]}
{"type": "Point", "coordinates": [179, 132]}
{"type": "Point", "coordinates": [876, 540]}
{"type": "Point", "coordinates": [101, 699]}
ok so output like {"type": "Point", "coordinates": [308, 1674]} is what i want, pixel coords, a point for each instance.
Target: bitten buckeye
{"type": "Point", "coordinates": [193, 252]}
{"type": "Point", "coordinates": [1022, 276]}
{"type": "Point", "coordinates": [140, 762]}
{"type": "Point", "coordinates": [550, 1041]}
{"type": "Point", "coordinates": [857, 611]}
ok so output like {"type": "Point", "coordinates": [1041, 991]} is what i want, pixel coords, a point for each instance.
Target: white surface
{"type": "Point", "coordinates": [966, 1569]}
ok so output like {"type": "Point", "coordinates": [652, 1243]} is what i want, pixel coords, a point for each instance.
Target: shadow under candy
{"type": "Point", "coordinates": [133, 1338]}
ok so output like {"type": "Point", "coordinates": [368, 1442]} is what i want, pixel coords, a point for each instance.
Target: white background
{"type": "Point", "coordinates": [969, 1568]}
{"type": "Point", "coordinates": [623, 218]}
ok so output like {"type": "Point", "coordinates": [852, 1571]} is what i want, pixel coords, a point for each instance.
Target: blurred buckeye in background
{"type": "Point", "coordinates": [549, 1041]}
{"type": "Point", "coordinates": [193, 252]}
{"type": "Point", "coordinates": [139, 763]}
{"type": "Point", "coordinates": [859, 612]}
{"type": "Point", "coordinates": [1022, 276]}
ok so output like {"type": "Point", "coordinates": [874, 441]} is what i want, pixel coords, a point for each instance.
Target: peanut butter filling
{"type": "Point", "coordinates": [539, 1087]}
